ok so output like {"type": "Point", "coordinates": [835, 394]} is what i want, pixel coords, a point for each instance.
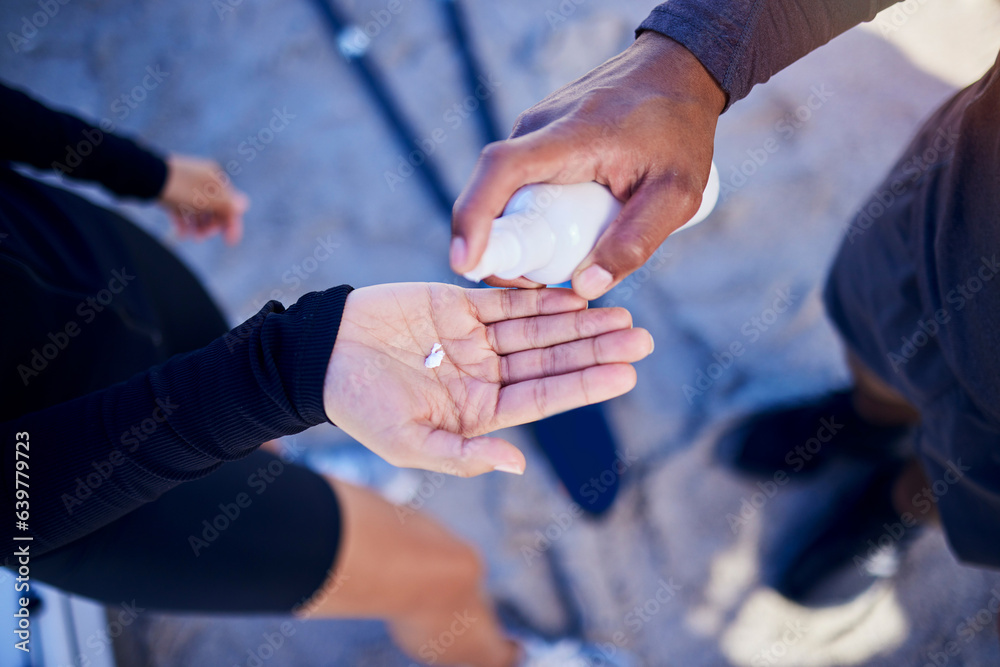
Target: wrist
{"type": "Point", "coordinates": [167, 192]}
{"type": "Point", "coordinates": [670, 67]}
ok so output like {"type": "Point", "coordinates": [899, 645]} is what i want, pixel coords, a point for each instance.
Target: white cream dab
{"type": "Point", "coordinates": [434, 359]}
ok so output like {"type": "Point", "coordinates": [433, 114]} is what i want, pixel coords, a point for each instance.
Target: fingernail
{"type": "Point", "coordinates": [508, 467]}
{"type": "Point", "coordinates": [593, 282]}
{"type": "Point", "coordinates": [458, 253]}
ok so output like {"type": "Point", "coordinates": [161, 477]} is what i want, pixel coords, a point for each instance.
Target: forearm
{"type": "Point", "coordinates": [745, 42]}
{"type": "Point", "coordinates": [93, 459]}
{"type": "Point", "coordinates": [49, 139]}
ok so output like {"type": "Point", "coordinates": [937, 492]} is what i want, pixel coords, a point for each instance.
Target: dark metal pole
{"type": "Point", "coordinates": [352, 42]}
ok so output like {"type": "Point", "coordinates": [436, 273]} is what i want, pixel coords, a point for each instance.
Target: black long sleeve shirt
{"type": "Point", "coordinates": [100, 441]}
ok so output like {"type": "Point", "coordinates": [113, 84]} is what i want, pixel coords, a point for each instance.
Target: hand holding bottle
{"type": "Point", "coordinates": [643, 124]}
{"type": "Point", "coordinates": [547, 230]}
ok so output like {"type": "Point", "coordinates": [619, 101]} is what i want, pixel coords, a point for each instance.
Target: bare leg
{"type": "Point", "coordinates": [876, 401]}
{"type": "Point", "coordinates": [881, 404]}
{"type": "Point", "coordinates": [419, 578]}
{"type": "Point", "coordinates": [912, 483]}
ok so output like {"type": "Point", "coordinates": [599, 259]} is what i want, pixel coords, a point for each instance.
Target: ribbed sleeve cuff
{"type": "Point", "coordinates": [302, 340]}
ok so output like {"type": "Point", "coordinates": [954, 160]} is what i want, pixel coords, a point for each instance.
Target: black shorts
{"type": "Point", "coordinates": [915, 293]}
{"type": "Point", "coordinates": [257, 535]}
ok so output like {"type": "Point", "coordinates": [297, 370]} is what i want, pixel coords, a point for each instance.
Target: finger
{"type": "Point", "coordinates": [628, 346]}
{"type": "Point", "coordinates": [180, 223]}
{"type": "Point", "coordinates": [498, 305]}
{"type": "Point", "coordinates": [232, 226]}
{"type": "Point", "coordinates": [554, 154]}
{"type": "Point", "coordinates": [656, 209]}
{"type": "Point", "coordinates": [206, 226]}
{"type": "Point", "coordinates": [241, 202]}
{"type": "Point", "coordinates": [452, 454]}
{"type": "Point", "coordinates": [545, 331]}
{"type": "Point", "coordinates": [234, 230]}
{"type": "Point", "coordinates": [536, 399]}
{"type": "Point", "coordinates": [519, 283]}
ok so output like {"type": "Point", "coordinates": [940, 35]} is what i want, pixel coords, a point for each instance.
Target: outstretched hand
{"type": "Point", "coordinates": [642, 124]}
{"type": "Point", "coordinates": [201, 200]}
{"type": "Point", "coordinates": [510, 357]}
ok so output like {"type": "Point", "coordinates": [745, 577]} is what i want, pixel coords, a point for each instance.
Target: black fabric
{"type": "Point", "coordinates": [915, 292]}
{"type": "Point", "coordinates": [257, 535]}
{"type": "Point", "coordinates": [119, 368]}
{"type": "Point", "coordinates": [915, 289]}
{"type": "Point", "coordinates": [259, 552]}
{"type": "Point", "coordinates": [41, 137]}
{"type": "Point", "coordinates": [171, 423]}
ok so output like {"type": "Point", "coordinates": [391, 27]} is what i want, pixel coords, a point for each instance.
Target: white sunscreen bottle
{"type": "Point", "coordinates": [546, 230]}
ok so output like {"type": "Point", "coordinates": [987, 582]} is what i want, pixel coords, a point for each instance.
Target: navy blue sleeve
{"type": "Point", "coordinates": [93, 459]}
{"type": "Point", "coordinates": [41, 137]}
{"type": "Point", "coordinates": [745, 42]}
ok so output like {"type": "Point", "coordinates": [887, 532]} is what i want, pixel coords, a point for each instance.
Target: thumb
{"type": "Point", "coordinates": [452, 454]}
{"type": "Point", "coordinates": [648, 217]}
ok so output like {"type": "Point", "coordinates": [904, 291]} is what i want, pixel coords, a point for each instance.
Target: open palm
{"type": "Point", "coordinates": [510, 357]}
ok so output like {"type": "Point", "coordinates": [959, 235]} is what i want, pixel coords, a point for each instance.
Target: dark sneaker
{"type": "Point", "coordinates": [859, 535]}
{"type": "Point", "coordinates": [802, 439]}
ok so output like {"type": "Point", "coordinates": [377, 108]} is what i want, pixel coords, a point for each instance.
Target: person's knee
{"type": "Point", "coordinates": [464, 565]}
{"type": "Point", "coordinates": [459, 572]}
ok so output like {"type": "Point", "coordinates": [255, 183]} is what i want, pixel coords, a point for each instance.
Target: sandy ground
{"type": "Point", "coordinates": [322, 180]}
